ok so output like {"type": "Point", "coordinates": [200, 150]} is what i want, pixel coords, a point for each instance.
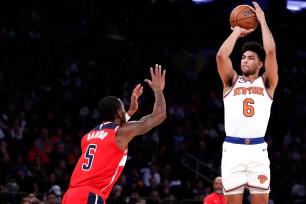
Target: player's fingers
{"type": "Point", "coordinates": [253, 9]}
{"type": "Point", "coordinates": [148, 82]}
{"type": "Point", "coordinates": [159, 70]}
{"type": "Point", "coordinates": [249, 31]}
{"type": "Point", "coordinates": [136, 88]}
{"type": "Point", "coordinates": [164, 74]}
{"type": "Point", "coordinates": [256, 5]}
{"type": "Point", "coordinates": [135, 96]}
{"type": "Point", "coordinates": [156, 69]}
{"type": "Point", "coordinates": [152, 72]}
{"type": "Point", "coordinates": [139, 92]}
{"type": "Point", "coordinates": [139, 89]}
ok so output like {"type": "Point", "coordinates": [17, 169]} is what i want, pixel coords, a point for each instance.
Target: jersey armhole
{"type": "Point", "coordinates": [227, 93]}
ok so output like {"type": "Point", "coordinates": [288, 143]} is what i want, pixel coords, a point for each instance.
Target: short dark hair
{"type": "Point", "coordinates": [108, 107]}
{"type": "Point", "coordinates": [254, 47]}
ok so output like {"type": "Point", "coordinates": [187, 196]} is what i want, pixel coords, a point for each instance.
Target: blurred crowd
{"type": "Point", "coordinates": [55, 66]}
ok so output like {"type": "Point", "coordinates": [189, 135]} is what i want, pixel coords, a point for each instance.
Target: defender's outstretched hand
{"type": "Point", "coordinates": [138, 90]}
{"type": "Point", "coordinates": [158, 78]}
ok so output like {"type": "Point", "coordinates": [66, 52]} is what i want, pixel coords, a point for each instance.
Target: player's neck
{"type": "Point", "coordinates": [250, 78]}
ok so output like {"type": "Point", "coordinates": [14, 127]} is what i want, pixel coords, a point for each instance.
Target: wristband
{"type": "Point", "coordinates": [127, 117]}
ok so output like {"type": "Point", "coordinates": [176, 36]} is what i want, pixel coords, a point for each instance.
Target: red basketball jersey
{"type": "Point", "coordinates": [101, 162]}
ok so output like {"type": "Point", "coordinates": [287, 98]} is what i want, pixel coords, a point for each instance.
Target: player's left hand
{"type": "Point", "coordinates": [259, 12]}
{"type": "Point", "coordinates": [243, 32]}
{"type": "Point", "coordinates": [138, 90]}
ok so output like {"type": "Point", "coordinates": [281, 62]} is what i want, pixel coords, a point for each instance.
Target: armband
{"type": "Point", "coordinates": [127, 117]}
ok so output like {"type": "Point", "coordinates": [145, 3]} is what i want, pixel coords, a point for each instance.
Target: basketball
{"type": "Point", "coordinates": [243, 17]}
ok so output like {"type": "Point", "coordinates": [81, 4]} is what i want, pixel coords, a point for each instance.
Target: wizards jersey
{"type": "Point", "coordinates": [101, 162]}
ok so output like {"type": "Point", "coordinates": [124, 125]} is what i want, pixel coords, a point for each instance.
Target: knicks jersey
{"type": "Point", "coordinates": [101, 162]}
{"type": "Point", "coordinates": [247, 109]}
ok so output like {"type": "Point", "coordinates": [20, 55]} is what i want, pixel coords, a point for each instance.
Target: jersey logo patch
{"type": "Point", "coordinates": [262, 179]}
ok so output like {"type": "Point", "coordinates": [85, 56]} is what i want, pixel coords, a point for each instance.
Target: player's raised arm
{"type": "Point", "coordinates": [138, 90]}
{"type": "Point", "coordinates": [271, 67]}
{"type": "Point", "coordinates": [224, 63]}
{"type": "Point", "coordinates": [134, 128]}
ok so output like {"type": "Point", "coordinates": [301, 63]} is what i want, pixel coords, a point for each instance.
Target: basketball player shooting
{"type": "Point", "coordinates": [247, 103]}
{"type": "Point", "coordinates": [105, 147]}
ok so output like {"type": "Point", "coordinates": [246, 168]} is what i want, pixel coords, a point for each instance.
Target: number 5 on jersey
{"type": "Point", "coordinates": [89, 155]}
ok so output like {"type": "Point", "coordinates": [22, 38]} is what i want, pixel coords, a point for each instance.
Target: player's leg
{"type": "Point", "coordinates": [258, 175]}
{"type": "Point", "coordinates": [234, 198]}
{"type": "Point", "coordinates": [262, 198]}
{"type": "Point", "coordinates": [233, 173]}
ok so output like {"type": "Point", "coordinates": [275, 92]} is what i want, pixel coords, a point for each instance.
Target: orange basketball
{"type": "Point", "coordinates": [243, 17]}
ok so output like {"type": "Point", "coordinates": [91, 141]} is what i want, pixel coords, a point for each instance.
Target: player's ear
{"type": "Point", "coordinates": [120, 113]}
{"type": "Point", "coordinates": [260, 64]}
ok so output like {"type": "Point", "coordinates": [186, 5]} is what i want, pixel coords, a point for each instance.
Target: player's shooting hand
{"type": "Point", "coordinates": [243, 32]}
{"type": "Point", "coordinates": [138, 90]}
{"type": "Point", "coordinates": [259, 12]}
{"type": "Point", "coordinates": [158, 78]}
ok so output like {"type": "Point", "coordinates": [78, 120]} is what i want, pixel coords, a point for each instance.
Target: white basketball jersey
{"type": "Point", "coordinates": [247, 109]}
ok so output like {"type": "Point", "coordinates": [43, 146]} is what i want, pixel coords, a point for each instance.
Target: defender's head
{"type": "Point", "coordinates": [112, 109]}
